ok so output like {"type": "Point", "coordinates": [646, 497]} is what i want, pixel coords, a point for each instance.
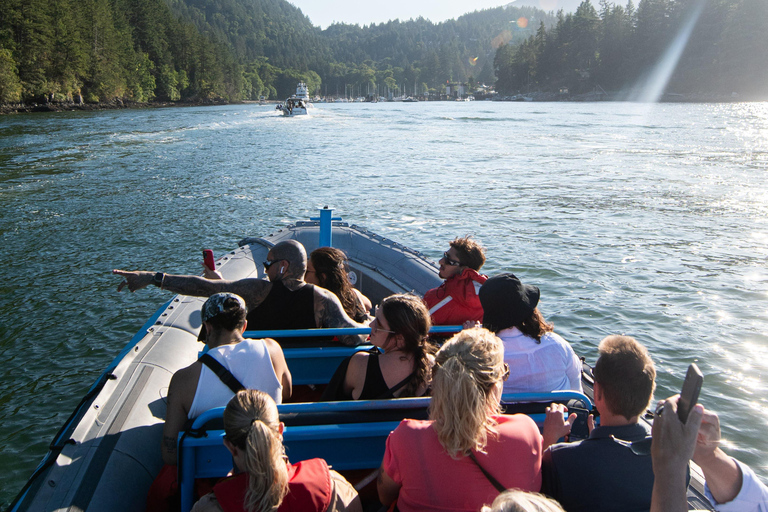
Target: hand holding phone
{"type": "Point", "coordinates": [689, 395]}
{"type": "Point", "coordinates": [208, 259]}
{"type": "Point", "coordinates": [580, 426]}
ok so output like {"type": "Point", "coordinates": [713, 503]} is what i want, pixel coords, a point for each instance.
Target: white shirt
{"type": "Point", "coordinates": [249, 362]}
{"type": "Point", "coordinates": [753, 496]}
{"type": "Point", "coordinates": [539, 367]}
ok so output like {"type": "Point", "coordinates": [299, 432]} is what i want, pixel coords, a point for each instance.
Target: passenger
{"type": "Point", "coordinates": [231, 361]}
{"type": "Point", "coordinates": [266, 481]}
{"type": "Point", "coordinates": [730, 485]}
{"type": "Point", "coordinates": [455, 301]}
{"type": "Point", "coordinates": [624, 383]}
{"type": "Point", "coordinates": [467, 452]}
{"type": "Point", "coordinates": [283, 302]}
{"type": "Point", "coordinates": [539, 359]}
{"type": "Point", "coordinates": [327, 267]}
{"type": "Point", "coordinates": [519, 501]}
{"type": "Point", "coordinates": [399, 328]}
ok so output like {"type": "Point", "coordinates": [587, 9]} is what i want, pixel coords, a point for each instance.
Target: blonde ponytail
{"type": "Point", "coordinates": [467, 368]}
{"type": "Point", "coordinates": [251, 423]}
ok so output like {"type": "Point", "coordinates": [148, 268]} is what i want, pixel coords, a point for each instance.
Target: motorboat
{"type": "Point", "coordinates": [298, 104]}
{"type": "Point", "coordinates": [107, 454]}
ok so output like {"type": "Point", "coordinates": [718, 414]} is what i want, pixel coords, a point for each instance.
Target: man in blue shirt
{"type": "Point", "coordinates": [601, 473]}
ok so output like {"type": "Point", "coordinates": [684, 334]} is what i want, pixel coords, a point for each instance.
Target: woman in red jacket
{"type": "Point", "coordinates": [267, 480]}
{"type": "Point", "coordinates": [455, 301]}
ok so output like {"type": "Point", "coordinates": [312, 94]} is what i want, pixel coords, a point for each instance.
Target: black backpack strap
{"type": "Point", "coordinates": [224, 375]}
{"type": "Point", "coordinates": [489, 476]}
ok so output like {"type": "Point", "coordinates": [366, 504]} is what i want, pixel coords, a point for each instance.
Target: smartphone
{"type": "Point", "coordinates": [208, 259]}
{"type": "Point", "coordinates": [580, 427]}
{"type": "Point", "coordinates": [689, 395]}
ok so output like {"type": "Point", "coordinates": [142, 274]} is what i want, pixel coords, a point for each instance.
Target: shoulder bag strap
{"type": "Point", "coordinates": [224, 375]}
{"type": "Point", "coordinates": [489, 476]}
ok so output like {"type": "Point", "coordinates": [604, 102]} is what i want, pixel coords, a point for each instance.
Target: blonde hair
{"type": "Point", "coordinates": [251, 423]}
{"type": "Point", "coordinates": [467, 368]}
{"type": "Point", "coordinates": [515, 500]}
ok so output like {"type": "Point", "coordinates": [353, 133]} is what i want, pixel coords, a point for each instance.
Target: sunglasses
{"type": "Point", "coordinates": [375, 323]}
{"type": "Point", "coordinates": [451, 262]}
{"type": "Point", "coordinates": [268, 264]}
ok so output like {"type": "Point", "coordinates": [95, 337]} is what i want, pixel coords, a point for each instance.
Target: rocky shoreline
{"type": "Point", "coordinates": [21, 108]}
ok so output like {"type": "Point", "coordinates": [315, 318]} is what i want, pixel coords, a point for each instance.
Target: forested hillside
{"type": "Point", "coordinates": [102, 51]}
{"type": "Point", "coordinates": [615, 48]}
{"type": "Point", "coordinates": [210, 50]}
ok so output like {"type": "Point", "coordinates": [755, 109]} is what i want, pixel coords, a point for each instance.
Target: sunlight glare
{"type": "Point", "coordinates": [652, 88]}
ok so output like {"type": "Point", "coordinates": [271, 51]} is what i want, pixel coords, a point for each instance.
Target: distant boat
{"type": "Point", "coordinates": [410, 99]}
{"type": "Point", "coordinates": [262, 100]}
{"type": "Point", "coordinates": [298, 104]}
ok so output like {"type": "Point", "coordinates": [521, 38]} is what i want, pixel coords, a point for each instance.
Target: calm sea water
{"type": "Point", "coordinates": [648, 220]}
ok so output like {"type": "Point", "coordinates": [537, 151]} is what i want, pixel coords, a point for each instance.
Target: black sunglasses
{"type": "Point", "coordinates": [268, 264]}
{"type": "Point", "coordinates": [451, 262]}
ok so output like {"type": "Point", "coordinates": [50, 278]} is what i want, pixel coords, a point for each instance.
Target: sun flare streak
{"type": "Point", "coordinates": [651, 88]}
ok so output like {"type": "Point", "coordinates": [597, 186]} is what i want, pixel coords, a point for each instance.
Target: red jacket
{"type": "Point", "coordinates": [310, 489]}
{"type": "Point", "coordinates": [456, 301]}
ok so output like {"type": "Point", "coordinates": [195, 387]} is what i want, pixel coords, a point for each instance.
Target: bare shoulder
{"type": "Point", "coordinates": [365, 301]}
{"type": "Point", "coordinates": [274, 348]}
{"type": "Point", "coordinates": [184, 385]}
{"type": "Point", "coordinates": [358, 366]}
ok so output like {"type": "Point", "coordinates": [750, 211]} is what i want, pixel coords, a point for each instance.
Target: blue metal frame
{"type": "Point", "coordinates": [343, 446]}
{"type": "Point", "coordinates": [326, 226]}
{"type": "Point", "coordinates": [340, 331]}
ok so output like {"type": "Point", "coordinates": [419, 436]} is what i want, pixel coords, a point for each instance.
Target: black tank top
{"type": "Point", "coordinates": [285, 309]}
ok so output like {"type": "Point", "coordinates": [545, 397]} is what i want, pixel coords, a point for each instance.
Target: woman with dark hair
{"type": "Point", "coordinates": [327, 267]}
{"type": "Point", "coordinates": [401, 363]}
{"type": "Point", "coordinates": [467, 452]}
{"type": "Point", "coordinates": [266, 481]}
{"type": "Point", "coordinates": [455, 301]}
{"type": "Point", "coordinates": [539, 359]}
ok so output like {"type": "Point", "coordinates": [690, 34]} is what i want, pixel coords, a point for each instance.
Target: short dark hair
{"type": "Point", "coordinates": [471, 254]}
{"type": "Point", "coordinates": [626, 375]}
{"type": "Point", "coordinates": [231, 317]}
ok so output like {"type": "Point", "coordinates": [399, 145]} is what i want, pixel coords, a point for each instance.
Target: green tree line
{"type": "Point", "coordinates": [614, 48]}
{"type": "Point", "coordinates": [210, 50]}
{"type": "Point", "coordinates": [214, 50]}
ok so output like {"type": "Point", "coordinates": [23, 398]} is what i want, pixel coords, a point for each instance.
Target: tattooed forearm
{"type": "Point", "coordinates": [253, 291]}
{"type": "Point", "coordinates": [330, 313]}
{"type": "Point", "coordinates": [169, 445]}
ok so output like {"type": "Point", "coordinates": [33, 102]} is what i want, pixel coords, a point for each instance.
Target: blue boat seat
{"type": "Point", "coordinates": [348, 435]}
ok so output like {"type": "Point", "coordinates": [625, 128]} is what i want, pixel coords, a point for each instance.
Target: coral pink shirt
{"type": "Point", "coordinates": [432, 481]}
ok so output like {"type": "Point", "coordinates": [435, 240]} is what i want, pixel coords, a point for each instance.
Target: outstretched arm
{"type": "Point", "coordinates": [330, 313]}
{"type": "Point", "coordinates": [252, 290]}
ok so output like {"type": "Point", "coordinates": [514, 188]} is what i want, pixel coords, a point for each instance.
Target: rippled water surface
{"type": "Point", "coordinates": [648, 220]}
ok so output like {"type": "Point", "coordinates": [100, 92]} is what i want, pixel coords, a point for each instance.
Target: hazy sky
{"type": "Point", "coordinates": [365, 12]}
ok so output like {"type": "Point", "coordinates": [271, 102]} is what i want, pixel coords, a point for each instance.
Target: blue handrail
{"type": "Point", "coordinates": [340, 331]}
{"type": "Point", "coordinates": [397, 403]}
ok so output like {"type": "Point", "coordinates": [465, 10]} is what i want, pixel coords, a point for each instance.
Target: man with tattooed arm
{"type": "Point", "coordinates": [283, 302]}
